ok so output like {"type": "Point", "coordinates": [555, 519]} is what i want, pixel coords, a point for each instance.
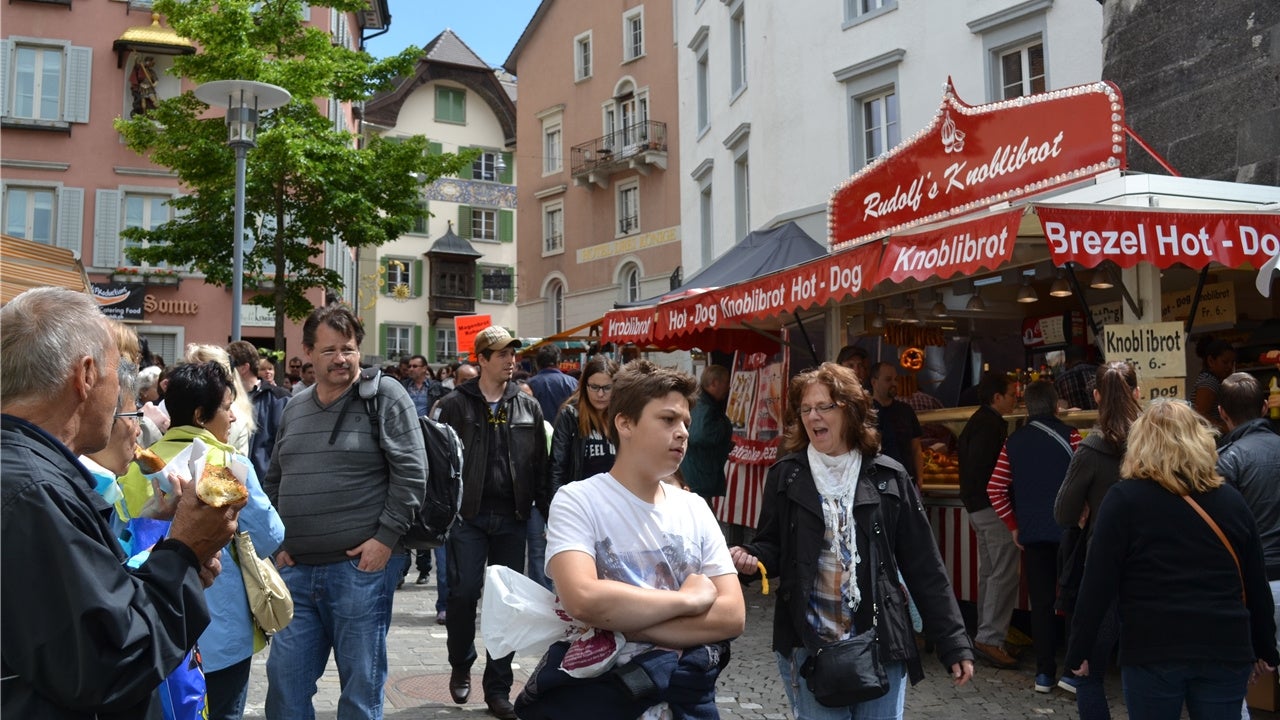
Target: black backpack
{"type": "Point", "coordinates": [443, 499]}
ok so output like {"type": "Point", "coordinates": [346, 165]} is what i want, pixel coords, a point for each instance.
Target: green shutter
{"type": "Point", "coordinates": [511, 292]}
{"type": "Point", "coordinates": [382, 339]}
{"type": "Point", "coordinates": [434, 148]}
{"type": "Point", "coordinates": [431, 344]}
{"type": "Point", "coordinates": [479, 282]}
{"type": "Point", "coordinates": [508, 169]}
{"type": "Point", "coordinates": [464, 221]}
{"type": "Point", "coordinates": [506, 225]}
{"type": "Point", "coordinates": [417, 278]}
{"type": "Point", "coordinates": [417, 339]}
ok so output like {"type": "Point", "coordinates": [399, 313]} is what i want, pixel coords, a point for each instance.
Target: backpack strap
{"type": "Point", "coordinates": [1050, 432]}
{"type": "Point", "coordinates": [367, 389]}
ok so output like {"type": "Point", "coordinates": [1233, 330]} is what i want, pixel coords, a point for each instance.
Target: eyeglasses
{"type": "Point", "coordinates": [136, 415]}
{"type": "Point", "coordinates": [602, 389]}
{"type": "Point", "coordinates": [326, 354]}
{"type": "Point", "coordinates": [821, 409]}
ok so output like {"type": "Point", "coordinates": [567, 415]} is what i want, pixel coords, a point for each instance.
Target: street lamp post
{"type": "Point", "coordinates": [243, 100]}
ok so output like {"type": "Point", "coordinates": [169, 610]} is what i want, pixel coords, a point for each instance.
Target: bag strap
{"type": "Point", "coordinates": [1049, 431]}
{"type": "Point", "coordinates": [1226, 543]}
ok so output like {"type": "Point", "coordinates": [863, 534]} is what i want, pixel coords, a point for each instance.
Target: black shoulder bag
{"type": "Point", "coordinates": [848, 672]}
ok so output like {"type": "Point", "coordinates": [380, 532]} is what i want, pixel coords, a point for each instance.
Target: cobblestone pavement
{"type": "Point", "coordinates": [417, 686]}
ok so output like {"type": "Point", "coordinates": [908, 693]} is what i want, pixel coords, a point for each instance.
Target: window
{"type": "Point", "coordinates": [704, 114]}
{"type": "Point", "coordinates": [582, 56]}
{"type": "Point", "coordinates": [856, 11]}
{"type": "Point", "coordinates": [142, 211]}
{"type": "Point", "coordinates": [421, 222]}
{"type": "Point", "coordinates": [633, 34]}
{"type": "Point", "coordinates": [738, 50]}
{"type": "Point", "coordinates": [626, 118]}
{"type": "Point", "coordinates": [402, 277]}
{"type": "Point", "coordinates": [705, 226]}
{"type": "Point", "coordinates": [880, 126]}
{"type": "Point", "coordinates": [399, 341]}
{"type": "Point", "coordinates": [552, 149]}
{"type": "Point", "coordinates": [496, 283]}
{"type": "Point", "coordinates": [29, 213]}
{"type": "Point", "coordinates": [628, 208]}
{"type": "Point", "coordinates": [630, 282]}
{"type": "Point", "coordinates": [46, 81]}
{"type": "Point", "coordinates": [453, 279]}
{"type": "Point", "coordinates": [553, 228]}
{"type": "Point", "coordinates": [446, 349]}
{"type": "Point", "coordinates": [1022, 71]}
{"type": "Point", "coordinates": [485, 167]}
{"type": "Point", "coordinates": [486, 224]}
{"type": "Point", "coordinates": [451, 105]}
{"type": "Point", "coordinates": [741, 196]}
{"type": "Point", "coordinates": [555, 302]}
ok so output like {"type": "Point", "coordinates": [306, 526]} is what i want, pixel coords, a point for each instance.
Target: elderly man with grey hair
{"type": "Point", "coordinates": [84, 635]}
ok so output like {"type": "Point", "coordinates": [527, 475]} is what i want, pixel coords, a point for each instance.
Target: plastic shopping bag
{"type": "Point", "coordinates": [182, 694]}
{"type": "Point", "coordinates": [519, 615]}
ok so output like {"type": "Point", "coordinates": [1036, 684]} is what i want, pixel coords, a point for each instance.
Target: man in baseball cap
{"type": "Point", "coordinates": [503, 467]}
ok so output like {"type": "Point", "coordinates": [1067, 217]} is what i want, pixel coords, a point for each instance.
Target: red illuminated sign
{"type": "Point", "coordinates": [965, 247]}
{"type": "Point", "coordinates": [971, 157]}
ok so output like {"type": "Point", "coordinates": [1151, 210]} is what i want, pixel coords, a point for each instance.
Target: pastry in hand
{"type": "Point", "coordinates": [219, 487]}
{"type": "Point", "coordinates": [147, 460]}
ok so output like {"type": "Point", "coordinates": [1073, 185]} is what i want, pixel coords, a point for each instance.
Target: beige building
{"type": "Point", "coordinates": [598, 159]}
{"type": "Point", "coordinates": [460, 257]}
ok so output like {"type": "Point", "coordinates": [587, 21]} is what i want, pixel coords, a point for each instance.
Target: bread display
{"type": "Point", "coordinates": [219, 487]}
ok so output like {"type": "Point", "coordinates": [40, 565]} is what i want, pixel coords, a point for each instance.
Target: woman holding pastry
{"type": "Point", "coordinates": [199, 399]}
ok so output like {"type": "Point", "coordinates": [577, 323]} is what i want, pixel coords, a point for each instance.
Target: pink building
{"type": "Point", "coordinates": [67, 71]}
{"type": "Point", "coordinates": [598, 171]}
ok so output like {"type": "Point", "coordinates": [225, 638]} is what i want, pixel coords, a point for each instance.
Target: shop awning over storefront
{"type": "Point", "coordinates": [25, 264]}
{"type": "Point", "coordinates": [946, 249]}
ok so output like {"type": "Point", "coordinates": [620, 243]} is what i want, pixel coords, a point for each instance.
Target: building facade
{"type": "Point", "coordinates": [67, 71]}
{"type": "Point", "coordinates": [460, 257]}
{"type": "Point", "coordinates": [782, 102]}
{"type": "Point", "coordinates": [599, 159]}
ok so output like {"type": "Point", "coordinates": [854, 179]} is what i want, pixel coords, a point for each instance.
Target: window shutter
{"type": "Point", "coordinates": [106, 228]}
{"type": "Point", "coordinates": [5, 48]}
{"type": "Point", "coordinates": [306, 12]}
{"type": "Point", "coordinates": [511, 291]}
{"type": "Point", "coordinates": [382, 339]}
{"type": "Point", "coordinates": [384, 279]}
{"type": "Point", "coordinates": [431, 345]}
{"type": "Point", "coordinates": [479, 283]}
{"type": "Point", "coordinates": [75, 105]}
{"type": "Point", "coordinates": [417, 339]}
{"type": "Point", "coordinates": [434, 148]}
{"type": "Point", "coordinates": [464, 221]}
{"type": "Point", "coordinates": [507, 169]}
{"type": "Point", "coordinates": [71, 219]}
{"type": "Point", "coordinates": [506, 223]}
{"type": "Point", "coordinates": [417, 279]}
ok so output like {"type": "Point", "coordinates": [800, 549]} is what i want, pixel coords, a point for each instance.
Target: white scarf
{"type": "Point", "coordinates": [836, 479]}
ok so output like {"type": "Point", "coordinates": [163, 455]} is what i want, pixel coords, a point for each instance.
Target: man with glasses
{"type": "Point", "coordinates": [347, 485]}
{"type": "Point", "coordinates": [504, 477]}
{"type": "Point", "coordinates": [710, 435]}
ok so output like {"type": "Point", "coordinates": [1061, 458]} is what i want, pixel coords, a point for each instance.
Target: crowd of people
{"type": "Point", "coordinates": [1151, 533]}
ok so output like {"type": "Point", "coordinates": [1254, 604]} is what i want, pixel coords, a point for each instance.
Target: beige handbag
{"type": "Point", "coordinates": [269, 598]}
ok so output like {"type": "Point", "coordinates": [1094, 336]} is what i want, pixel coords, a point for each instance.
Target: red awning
{"type": "Point", "coordinates": [942, 251]}
{"type": "Point", "coordinates": [628, 325]}
{"type": "Point", "coordinates": [1089, 234]}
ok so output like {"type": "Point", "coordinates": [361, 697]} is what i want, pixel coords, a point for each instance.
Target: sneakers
{"type": "Point", "coordinates": [1044, 683]}
{"type": "Point", "coordinates": [1068, 682]}
{"type": "Point", "coordinates": [422, 579]}
{"type": "Point", "coordinates": [995, 655]}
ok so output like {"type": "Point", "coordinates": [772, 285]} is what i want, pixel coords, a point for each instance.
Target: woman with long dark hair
{"type": "Point", "coordinates": [580, 446]}
{"type": "Point", "coordinates": [1219, 360]}
{"type": "Point", "coordinates": [1093, 470]}
{"type": "Point", "coordinates": [1177, 550]}
{"type": "Point", "coordinates": [829, 497]}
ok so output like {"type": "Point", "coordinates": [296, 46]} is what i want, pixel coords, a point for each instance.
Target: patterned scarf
{"type": "Point", "coordinates": [836, 478]}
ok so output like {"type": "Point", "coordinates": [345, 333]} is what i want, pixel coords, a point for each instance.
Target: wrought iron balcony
{"type": "Point", "coordinates": [634, 147]}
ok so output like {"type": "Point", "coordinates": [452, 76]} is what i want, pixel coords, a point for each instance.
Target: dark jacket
{"type": "Point", "coordinates": [710, 440]}
{"type": "Point", "coordinates": [466, 410]}
{"type": "Point", "coordinates": [268, 407]}
{"type": "Point", "coordinates": [1248, 459]}
{"type": "Point", "coordinates": [1177, 587]}
{"type": "Point", "coordinates": [1039, 464]}
{"type": "Point", "coordinates": [790, 538]}
{"type": "Point", "coordinates": [566, 449]}
{"type": "Point", "coordinates": [1093, 470]}
{"type": "Point", "coordinates": [979, 448]}
{"type": "Point", "coordinates": [551, 387]}
{"type": "Point", "coordinates": [84, 636]}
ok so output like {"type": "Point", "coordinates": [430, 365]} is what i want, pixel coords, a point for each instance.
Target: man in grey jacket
{"type": "Point", "coordinates": [347, 484]}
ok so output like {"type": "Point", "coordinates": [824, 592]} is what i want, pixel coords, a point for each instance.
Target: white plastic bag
{"type": "Point", "coordinates": [519, 615]}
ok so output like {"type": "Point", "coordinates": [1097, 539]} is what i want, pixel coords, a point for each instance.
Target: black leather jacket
{"type": "Point", "coordinates": [465, 410]}
{"type": "Point", "coordinates": [790, 538]}
{"type": "Point", "coordinates": [566, 449]}
{"type": "Point", "coordinates": [1247, 460]}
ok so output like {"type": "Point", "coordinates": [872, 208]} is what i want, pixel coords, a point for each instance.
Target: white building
{"type": "Point", "coordinates": [780, 102]}
{"type": "Point", "coordinates": [461, 259]}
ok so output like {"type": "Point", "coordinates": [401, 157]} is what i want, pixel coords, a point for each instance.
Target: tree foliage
{"type": "Point", "coordinates": [306, 182]}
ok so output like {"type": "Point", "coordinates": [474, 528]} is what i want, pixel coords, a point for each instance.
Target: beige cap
{"type": "Point", "coordinates": [494, 338]}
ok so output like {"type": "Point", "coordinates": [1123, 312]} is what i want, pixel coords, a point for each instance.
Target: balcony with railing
{"type": "Point", "coordinates": [639, 147]}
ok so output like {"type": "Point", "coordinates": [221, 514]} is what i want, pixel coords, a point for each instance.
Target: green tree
{"type": "Point", "coordinates": [306, 183]}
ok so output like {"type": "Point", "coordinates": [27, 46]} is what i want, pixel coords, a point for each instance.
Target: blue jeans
{"type": "Point", "coordinates": [536, 538]}
{"type": "Point", "coordinates": [1091, 693]}
{"type": "Point", "coordinates": [442, 578]}
{"type": "Point", "coordinates": [474, 544]}
{"type": "Point", "coordinates": [1211, 691]}
{"type": "Point", "coordinates": [226, 690]}
{"type": "Point", "coordinates": [806, 707]}
{"type": "Point", "coordinates": [338, 607]}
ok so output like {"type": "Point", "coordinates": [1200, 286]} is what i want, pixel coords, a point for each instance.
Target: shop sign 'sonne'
{"type": "Point", "coordinates": [971, 157]}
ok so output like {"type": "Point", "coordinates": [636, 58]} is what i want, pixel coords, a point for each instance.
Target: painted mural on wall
{"type": "Point", "coordinates": [473, 192]}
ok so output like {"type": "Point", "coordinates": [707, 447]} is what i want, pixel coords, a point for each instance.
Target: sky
{"type": "Point", "coordinates": [489, 27]}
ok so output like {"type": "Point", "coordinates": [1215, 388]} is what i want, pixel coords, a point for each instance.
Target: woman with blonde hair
{"type": "Point", "coordinates": [1179, 552]}
{"type": "Point", "coordinates": [243, 427]}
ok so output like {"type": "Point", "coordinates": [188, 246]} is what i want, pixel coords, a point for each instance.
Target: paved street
{"type": "Point", "coordinates": [749, 688]}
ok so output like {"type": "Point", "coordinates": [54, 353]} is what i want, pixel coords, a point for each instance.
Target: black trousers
{"type": "Point", "coordinates": [1041, 562]}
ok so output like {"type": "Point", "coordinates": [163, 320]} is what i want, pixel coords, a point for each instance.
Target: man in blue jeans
{"type": "Point", "coordinates": [347, 485]}
{"type": "Point", "coordinates": [504, 476]}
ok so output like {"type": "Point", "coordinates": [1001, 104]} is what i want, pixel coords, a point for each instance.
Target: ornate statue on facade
{"type": "Point", "coordinates": [142, 83]}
